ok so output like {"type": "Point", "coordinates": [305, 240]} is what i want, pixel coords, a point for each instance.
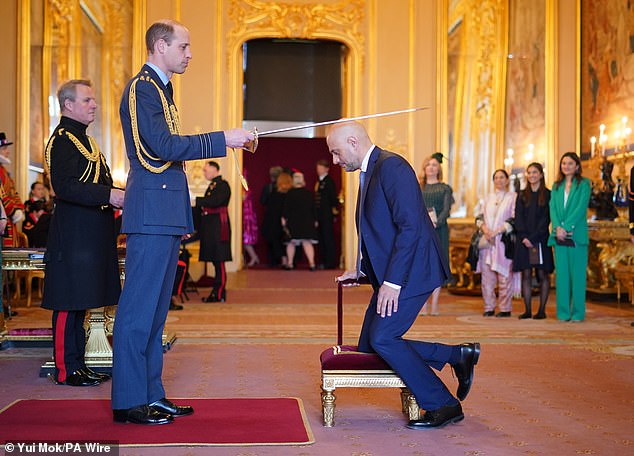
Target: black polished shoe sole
{"type": "Point", "coordinates": [454, 420]}
{"type": "Point", "coordinates": [121, 416]}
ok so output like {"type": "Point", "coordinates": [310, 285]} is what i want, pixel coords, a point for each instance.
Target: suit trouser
{"type": "Point", "coordinates": [69, 342]}
{"type": "Point", "coordinates": [570, 281]}
{"type": "Point", "coordinates": [412, 360]}
{"type": "Point", "coordinates": [150, 269]}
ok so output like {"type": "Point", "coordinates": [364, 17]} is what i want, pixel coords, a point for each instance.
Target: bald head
{"type": "Point", "coordinates": [348, 143]}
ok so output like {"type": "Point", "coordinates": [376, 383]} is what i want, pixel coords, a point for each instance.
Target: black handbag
{"type": "Point", "coordinates": [509, 238]}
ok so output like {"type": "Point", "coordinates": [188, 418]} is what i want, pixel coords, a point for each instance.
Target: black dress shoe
{"type": "Point", "coordinates": [94, 374]}
{"type": "Point", "coordinates": [469, 354]}
{"type": "Point", "coordinates": [503, 314]}
{"type": "Point", "coordinates": [524, 316]}
{"type": "Point", "coordinates": [8, 314]}
{"type": "Point", "coordinates": [488, 313]}
{"type": "Point", "coordinates": [434, 419]}
{"type": "Point", "coordinates": [144, 414]}
{"type": "Point", "coordinates": [79, 378]}
{"type": "Point", "coordinates": [213, 296]}
{"type": "Point", "coordinates": [166, 406]}
{"type": "Point", "coordinates": [174, 306]}
{"type": "Point", "coordinates": [539, 316]}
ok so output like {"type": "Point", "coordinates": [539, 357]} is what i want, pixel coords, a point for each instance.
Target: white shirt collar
{"type": "Point", "coordinates": [366, 159]}
{"type": "Point", "coordinates": [157, 70]}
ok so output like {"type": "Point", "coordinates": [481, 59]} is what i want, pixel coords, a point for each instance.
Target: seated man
{"type": "Point", "coordinates": [399, 254]}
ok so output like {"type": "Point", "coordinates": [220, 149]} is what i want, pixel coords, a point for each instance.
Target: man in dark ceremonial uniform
{"type": "Point", "coordinates": [215, 229]}
{"type": "Point", "coordinates": [37, 224]}
{"type": "Point", "coordinates": [326, 203]}
{"type": "Point", "coordinates": [81, 259]}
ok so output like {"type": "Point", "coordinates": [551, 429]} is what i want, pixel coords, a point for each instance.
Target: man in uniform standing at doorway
{"type": "Point", "coordinates": [215, 229]}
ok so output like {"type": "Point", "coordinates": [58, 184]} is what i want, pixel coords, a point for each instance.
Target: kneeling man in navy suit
{"type": "Point", "coordinates": [399, 254]}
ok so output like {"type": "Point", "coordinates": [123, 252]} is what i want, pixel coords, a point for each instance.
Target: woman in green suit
{"type": "Point", "coordinates": [568, 213]}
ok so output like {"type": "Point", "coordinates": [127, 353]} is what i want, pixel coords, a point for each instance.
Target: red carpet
{"type": "Point", "coordinates": [258, 421]}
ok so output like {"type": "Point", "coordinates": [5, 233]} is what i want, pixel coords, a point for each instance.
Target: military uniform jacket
{"type": "Point", "coordinates": [81, 257]}
{"type": "Point", "coordinates": [11, 202]}
{"type": "Point", "coordinates": [215, 227]}
{"type": "Point", "coordinates": [157, 194]}
{"type": "Point", "coordinates": [325, 198]}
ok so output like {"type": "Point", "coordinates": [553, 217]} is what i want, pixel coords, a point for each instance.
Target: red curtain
{"type": "Point", "coordinates": [299, 154]}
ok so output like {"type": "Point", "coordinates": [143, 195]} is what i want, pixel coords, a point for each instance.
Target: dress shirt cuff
{"type": "Point", "coordinates": [391, 285]}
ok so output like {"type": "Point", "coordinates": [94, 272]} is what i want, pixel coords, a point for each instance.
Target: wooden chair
{"type": "Point", "coordinates": [28, 276]}
{"type": "Point", "coordinates": [342, 366]}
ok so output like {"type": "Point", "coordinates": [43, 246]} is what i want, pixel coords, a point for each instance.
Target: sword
{"type": "Point", "coordinates": [251, 146]}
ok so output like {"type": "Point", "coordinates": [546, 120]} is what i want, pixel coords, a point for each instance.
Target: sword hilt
{"type": "Point", "coordinates": [252, 146]}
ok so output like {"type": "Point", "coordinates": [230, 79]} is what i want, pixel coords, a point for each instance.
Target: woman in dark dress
{"type": "Point", "coordinates": [272, 223]}
{"type": "Point", "coordinates": [298, 216]}
{"type": "Point", "coordinates": [532, 218]}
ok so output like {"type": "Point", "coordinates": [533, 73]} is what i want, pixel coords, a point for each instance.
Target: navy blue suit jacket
{"type": "Point", "coordinates": [399, 242]}
{"type": "Point", "coordinates": [158, 203]}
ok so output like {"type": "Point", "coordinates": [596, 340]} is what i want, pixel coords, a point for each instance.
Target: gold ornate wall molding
{"type": "Point", "coordinates": [338, 21]}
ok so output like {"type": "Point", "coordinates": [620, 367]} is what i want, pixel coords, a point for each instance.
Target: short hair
{"type": "Point", "coordinates": [68, 90]}
{"type": "Point", "coordinates": [214, 164]}
{"type": "Point", "coordinates": [323, 162]}
{"type": "Point", "coordinates": [161, 30]}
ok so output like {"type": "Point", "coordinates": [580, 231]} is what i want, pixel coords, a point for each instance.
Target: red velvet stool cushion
{"type": "Point", "coordinates": [346, 357]}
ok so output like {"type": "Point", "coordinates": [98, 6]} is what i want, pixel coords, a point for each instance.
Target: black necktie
{"type": "Point", "coordinates": [170, 89]}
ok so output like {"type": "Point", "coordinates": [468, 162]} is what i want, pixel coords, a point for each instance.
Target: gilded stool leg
{"type": "Point", "coordinates": [328, 406]}
{"type": "Point", "coordinates": [412, 407]}
{"type": "Point", "coordinates": [404, 396]}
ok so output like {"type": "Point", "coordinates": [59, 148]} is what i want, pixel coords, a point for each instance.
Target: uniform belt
{"type": "Point", "coordinates": [224, 219]}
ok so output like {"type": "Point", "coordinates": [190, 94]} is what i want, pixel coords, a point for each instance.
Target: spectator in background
{"type": "Point", "coordinates": [568, 214]}
{"type": "Point", "coordinates": [532, 219]}
{"type": "Point", "coordinates": [298, 216]}
{"type": "Point", "coordinates": [271, 219]}
{"type": "Point", "coordinates": [38, 192]}
{"type": "Point", "coordinates": [326, 203]}
{"type": "Point", "coordinates": [272, 225]}
{"type": "Point", "coordinates": [498, 207]}
{"type": "Point", "coordinates": [438, 198]}
{"type": "Point", "coordinates": [37, 223]}
{"type": "Point", "coordinates": [249, 226]}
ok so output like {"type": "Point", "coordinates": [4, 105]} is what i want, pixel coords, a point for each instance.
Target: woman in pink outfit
{"type": "Point", "coordinates": [249, 226]}
{"type": "Point", "coordinates": [496, 269]}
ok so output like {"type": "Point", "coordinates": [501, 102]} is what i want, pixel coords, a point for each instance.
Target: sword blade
{"type": "Point", "coordinates": [345, 119]}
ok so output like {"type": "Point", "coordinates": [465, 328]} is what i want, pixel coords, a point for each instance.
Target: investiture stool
{"type": "Point", "coordinates": [157, 215]}
{"type": "Point", "coordinates": [81, 261]}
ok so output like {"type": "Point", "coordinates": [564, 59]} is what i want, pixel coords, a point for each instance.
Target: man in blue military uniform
{"type": "Point", "coordinates": [82, 270]}
{"type": "Point", "coordinates": [157, 215]}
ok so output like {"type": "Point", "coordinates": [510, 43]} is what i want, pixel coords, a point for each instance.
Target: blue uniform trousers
{"type": "Point", "coordinates": [412, 360]}
{"type": "Point", "coordinates": [150, 269]}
